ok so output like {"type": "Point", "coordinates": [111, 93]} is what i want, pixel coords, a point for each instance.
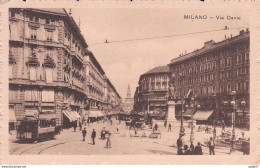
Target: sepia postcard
{"type": "Point", "coordinates": [129, 82]}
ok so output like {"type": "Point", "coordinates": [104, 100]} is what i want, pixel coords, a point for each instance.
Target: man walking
{"type": "Point", "coordinates": [109, 141]}
{"type": "Point", "coordinates": [198, 150]}
{"type": "Point", "coordinates": [84, 133]}
{"type": "Point", "coordinates": [93, 136]}
{"type": "Point", "coordinates": [179, 142]}
{"type": "Point", "coordinates": [169, 127]}
{"type": "Point", "coordinates": [211, 145]}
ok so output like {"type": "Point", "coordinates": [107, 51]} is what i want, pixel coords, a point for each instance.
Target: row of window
{"type": "Point", "coordinates": [240, 58]}
{"type": "Point", "coordinates": [157, 79]}
{"type": "Point", "coordinates": [33, 18]}
{"type": "Point", "coordinates": [215, 55]}
{"type": "Point", "coordinates": [239, 86]}
{"type": "Point", "coordinates": [48, 34]}
{"type": "Point", "coordinates": [155, 86]}
{"type": "Point", "coordinates": [225, 62]}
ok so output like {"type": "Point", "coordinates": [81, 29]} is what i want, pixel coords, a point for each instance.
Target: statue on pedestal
{"type": "Point", "coordinates": [171, 93]}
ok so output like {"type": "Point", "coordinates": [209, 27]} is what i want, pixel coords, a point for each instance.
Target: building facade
{"type": "Point", "coordinates": [151, 94]}
{"type": "Point", "coordinates": [49, 72]}
{"type": "Point", "coordinates": [213, 72]}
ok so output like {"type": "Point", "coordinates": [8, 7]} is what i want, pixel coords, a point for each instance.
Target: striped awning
{"type": "Point", "coordinates": [70, 116]}
{"type": "Point", "coordinates": [202, 115]}
{"type": "Point", "coordinates": [76, 114]}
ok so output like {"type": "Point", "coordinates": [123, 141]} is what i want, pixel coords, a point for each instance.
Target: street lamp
{"type": "Point", "coordinates": [192, 111]}
{"type": "Point", "coordinates": [243, 103]}
{"type": "Point", "coordinates": [182, 133]}
{"type": "Point", "coordinates": [233, 103]}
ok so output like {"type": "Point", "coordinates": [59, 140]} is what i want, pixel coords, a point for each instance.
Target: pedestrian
{"type": "Point", "coordinates": [180, 152]}
{"type": "Point", "coordinates": [80, 125]}
{"type": "Point", "coordinates": [155, 126]}
{"type": "Point", "coordinates": [207, 129]}
{"type": "Point", "coordinates": [93, 136]}
{"type": "Point", "coordinates": [165, 123]}
{"type": "Point", "coordinates": [108, 144]}
{"type": "Point", "coordinates": [214, 133]}
{"type": "Point", "coordinates": [75, 125]}
{"type": "Point", "coordinates": [223, 126]}
{"type": "Point", "coordinates": [243, 135]}
{"type": "Point", "coordinates": [83, 121]}
{"type": "Point", "coordinates": [211, 145]}
{"type": "Point", "coordinates": [103, 132]}
{"type": "Point", "coordinates": [186, 150]}
{"type": "Point", "coordinates": [169, 127]}
{"type": "Point", "coordinates": [179, 142]}
{"type": "Point", "coordinates": [117, 129]}
{"type": "Point", "coordinates": [198, 150]}
{"type": "Point", "coordinates": [84, 133]}
{"type": "Point", "coordinates": [191, 148]}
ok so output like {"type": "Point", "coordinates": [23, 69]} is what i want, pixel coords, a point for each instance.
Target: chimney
{"type": "Point", "coordinates": [241, 32]}
{"type": "Point", "coordinates": [209, 43]}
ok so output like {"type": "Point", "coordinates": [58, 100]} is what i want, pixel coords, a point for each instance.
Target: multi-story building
{"type": "Point", "coordinates": [213, 72]}
{"type": "Point", "coordinates": [151, 94]}
{"type": "Point", "coordinates": [50, 74]}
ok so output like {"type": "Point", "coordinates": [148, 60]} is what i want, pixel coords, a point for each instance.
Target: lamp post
{"type": "Point", "coordinates": [182, 133]}
{"type": "Point", "coordinates": [243, 103]}
{"type": "Point", "coordinates": [192, 106]}
{"type": "Point", "coordinates": [233, 104]}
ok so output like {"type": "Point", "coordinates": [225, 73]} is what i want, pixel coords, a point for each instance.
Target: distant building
{"type": "Point", "coordinates": [128, 103]}
{"type": "Point", "coordinates": [151, 94]}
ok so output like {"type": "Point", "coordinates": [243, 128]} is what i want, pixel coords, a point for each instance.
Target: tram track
{"type": "Point", "coordinates": [16, 149]}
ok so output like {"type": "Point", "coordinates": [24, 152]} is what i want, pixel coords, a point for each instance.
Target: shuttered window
{"type": "Point", "coordinates": [48, 95]}
{"type": "Point", "coordinates": [31, 95]}
{"type": "Point", "coordinates": [48, 78]}
{"type": "Point", "coordinates": [32, 74]}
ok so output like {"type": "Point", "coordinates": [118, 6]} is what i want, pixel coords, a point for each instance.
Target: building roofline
{"type": "Point", "coordinates": [94, 60]}
{"type": "Point", "coordinates": [213, 46]}
{"type": "Point", "coordinates": [69, 19]}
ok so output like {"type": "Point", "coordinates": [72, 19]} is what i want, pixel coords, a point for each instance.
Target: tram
{"type": "Point", "coordinates": [33, 129]}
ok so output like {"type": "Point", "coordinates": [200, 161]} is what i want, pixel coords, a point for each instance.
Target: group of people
{"type": "Point", "coordinates": [186, 150]}
{"type": "Point", "coordinates": [93, 135]}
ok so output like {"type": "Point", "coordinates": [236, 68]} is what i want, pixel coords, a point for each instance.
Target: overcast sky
{"type": "Point", "coordinates": [124, 62]}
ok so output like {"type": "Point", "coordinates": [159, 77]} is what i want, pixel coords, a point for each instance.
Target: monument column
{"type": "Point", "coordinates": [171, 113]}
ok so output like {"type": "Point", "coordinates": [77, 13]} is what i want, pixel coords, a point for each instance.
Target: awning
{"type": "Point", "coordinates": [76, 114]}
{"type": "Point", "coordinates": [12, 117]}
{"type": "Point", "coordinates": [92, 114]}
{"type": "Point", "coordinates": [99, 114]}
{"type": "Point", "coordinates": [70, 116]}
{"type": "Point", "coordinates": [187, 113]}
{"type": "Point", "coordinates": [47, 116]}
{"type": "Point", "coordinates": [179, 102]}
{"type": "Point", "coordinates": [202, 115]}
